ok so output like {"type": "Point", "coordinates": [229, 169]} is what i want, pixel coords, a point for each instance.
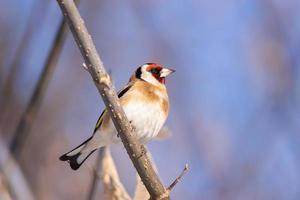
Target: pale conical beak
{"type": "Point", "coordinates": [166, 72]}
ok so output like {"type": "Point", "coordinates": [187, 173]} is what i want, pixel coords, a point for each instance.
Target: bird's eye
{"type": "Point", "coordinates": [155, 71]}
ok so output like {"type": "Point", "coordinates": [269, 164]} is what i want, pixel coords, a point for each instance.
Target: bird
{"type": "Point", "coordinates": [146, 104]}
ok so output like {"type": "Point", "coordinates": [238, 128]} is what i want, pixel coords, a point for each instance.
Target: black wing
{"type": "Point", "coordinates": [124, 90]}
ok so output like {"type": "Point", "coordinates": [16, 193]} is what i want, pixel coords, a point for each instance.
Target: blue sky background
{"type": "Point", "coordinates": [234, 97]}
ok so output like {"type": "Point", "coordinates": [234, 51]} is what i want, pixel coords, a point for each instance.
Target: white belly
{"type": "Point", "coordinates": [147, 119]}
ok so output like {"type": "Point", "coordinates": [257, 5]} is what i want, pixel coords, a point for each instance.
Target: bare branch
{"type": "Point", "coordinates": [113, 188]}
{"type": "Point", "coordinates": [109, 96]}
{"type": "Point", "coordinates": [178, 178]}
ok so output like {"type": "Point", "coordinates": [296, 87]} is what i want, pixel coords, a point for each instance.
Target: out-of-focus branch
{"type": "Point", "coordinates": [7, 91]}
{"type": "Point", "coordinates": [140, 190]}
{"type": "Point", "coordinates": [5, 193]}
{"type": "Point", "coordinates": [22, 130]}
{"type": "Point", "coordinates": [95, 173]}
{"type": "Point", "coordinates": [109, 96]}
{"type": "Point", "coordinates": [113, 188]}
{"type": "Point", "coordinates": [13, 175]}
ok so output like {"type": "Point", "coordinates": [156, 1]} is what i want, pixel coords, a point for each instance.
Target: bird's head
{"type": "Point", "coordinates": [153, 73]}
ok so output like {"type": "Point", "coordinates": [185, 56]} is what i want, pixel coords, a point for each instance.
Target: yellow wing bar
{"type": "Point", "coordinates": [99, 122]}
{"type": "Point", "coordinates": [120, 94]}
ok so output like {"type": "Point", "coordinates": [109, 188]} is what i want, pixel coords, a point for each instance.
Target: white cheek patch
{"type": "Point", "coordinates": [147, 76]}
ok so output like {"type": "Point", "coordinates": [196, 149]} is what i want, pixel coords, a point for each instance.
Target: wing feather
{"type": "Point", "coordinates": [100, 120]}
{"type": "Point", "coordinates": [120, 94]}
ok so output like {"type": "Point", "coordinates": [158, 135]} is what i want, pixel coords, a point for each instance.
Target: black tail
{"type": "Point", "coordinates": [76, 153]}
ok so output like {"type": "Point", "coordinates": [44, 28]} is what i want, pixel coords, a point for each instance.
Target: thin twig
{"type": "Point", "coordinates": [103, 83]}
{"type": "Point", "coordinates": [186, 167]}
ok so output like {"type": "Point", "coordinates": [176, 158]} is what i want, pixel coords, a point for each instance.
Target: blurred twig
{"type": "Point", "coordinates": [8, 87]}
{"type": "Point", "coordinates": [140, 190]}
{"type": "Point", "coordinates": [113, 188]}
{"type": "Point", "coordinates": [23, 127]}
{"type": "Point", "coordinates": [5, 192]}
{"type": "Point", "coordinates": [95, 177]}
{"type": "Point", "coordinates": [109, 96]}
{"type": "Point", "coordinates": [277, 26]}
{"type": "Point", "coordinates": [13, 175]}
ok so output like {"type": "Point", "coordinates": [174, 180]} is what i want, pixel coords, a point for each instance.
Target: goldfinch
{"type": "Point", "coordinates": [146, 104]}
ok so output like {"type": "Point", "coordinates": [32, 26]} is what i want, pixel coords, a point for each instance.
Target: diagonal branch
{"type": "Point", "coordinates": [28, 116]}
{"type": "Point", "coordinates": [109, 96]}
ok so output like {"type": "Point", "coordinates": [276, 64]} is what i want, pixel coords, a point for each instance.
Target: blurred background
{"type": "Point", "coordinates": [235, 113]}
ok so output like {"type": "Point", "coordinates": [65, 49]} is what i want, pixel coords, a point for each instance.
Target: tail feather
{"type": "Point", "coordinates": [77, 156]}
